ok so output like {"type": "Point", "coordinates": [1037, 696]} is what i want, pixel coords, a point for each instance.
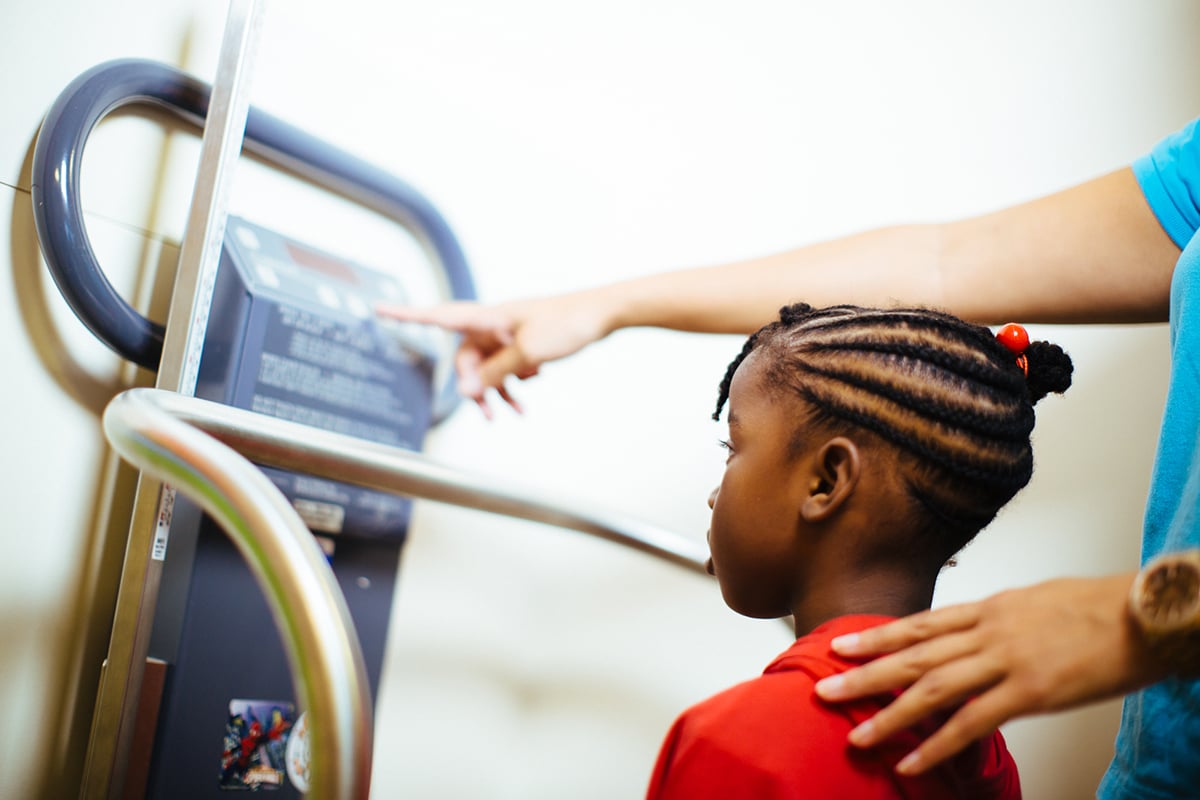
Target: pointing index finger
{"type": "Point", "coordinates": [458, 316]}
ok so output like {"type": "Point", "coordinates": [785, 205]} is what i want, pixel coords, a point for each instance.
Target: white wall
{"type": "Point", "coordinates": [570, 146]}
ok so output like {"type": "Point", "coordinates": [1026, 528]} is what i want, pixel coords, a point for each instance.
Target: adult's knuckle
{"type": "Point", "coordinates": [967, 725]}
{"type": "Point", "coordinates": [931, 688]}
{"type": "Point", "coordinates": [1034, 687]}
{"type": "Point", "coordinates": [923, 626]}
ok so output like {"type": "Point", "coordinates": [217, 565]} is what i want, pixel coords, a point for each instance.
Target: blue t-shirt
{"type": "Point", "coordinates": [1158, 746]}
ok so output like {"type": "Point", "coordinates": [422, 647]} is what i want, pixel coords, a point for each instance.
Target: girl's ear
{"type": "Point", "coordinates": [836, 470]}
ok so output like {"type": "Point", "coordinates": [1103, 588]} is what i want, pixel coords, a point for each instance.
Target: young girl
{"type": "Point", "coordinates": [866, 447]}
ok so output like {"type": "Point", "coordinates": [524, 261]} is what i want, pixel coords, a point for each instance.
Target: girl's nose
{"type": "Point", "coordinates": [712, 498]}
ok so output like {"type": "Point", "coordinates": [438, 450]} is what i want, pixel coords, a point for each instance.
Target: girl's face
{"type": "Point", "coordinates": [756, 535]}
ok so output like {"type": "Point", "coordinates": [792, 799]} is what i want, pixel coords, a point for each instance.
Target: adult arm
{"type": "Point", "coordinates": [1091, 253]}
{"type": "Point", "coordinates": [1047, 647]}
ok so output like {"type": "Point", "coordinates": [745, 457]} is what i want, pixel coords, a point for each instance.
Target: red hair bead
{"type": "Point", "coordinates": [1016, 339]}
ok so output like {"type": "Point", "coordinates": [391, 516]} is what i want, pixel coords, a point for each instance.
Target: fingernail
{"type": "Point", "coordinates": [831, 688]}
{"type": "Point", "coordinates": [845, 643]}
{"type": "Point", "coordinates": [910, 764]}
{"type": "Point", "coordinates": [862, 735]}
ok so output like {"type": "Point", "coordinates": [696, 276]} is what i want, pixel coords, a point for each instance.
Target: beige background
{"type": "Point", "coordinates": [570, 146]}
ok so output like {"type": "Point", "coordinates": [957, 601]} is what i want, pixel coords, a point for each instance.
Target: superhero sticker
{"type": "Point", "coordinates": [256, 744]}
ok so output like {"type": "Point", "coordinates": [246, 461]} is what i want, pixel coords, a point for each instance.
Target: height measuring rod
{"type": "Point", "coordinates": [121, 678]}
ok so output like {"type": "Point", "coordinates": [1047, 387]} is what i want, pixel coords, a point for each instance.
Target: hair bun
{"type": "Point", "coordinates": [1049, 369]}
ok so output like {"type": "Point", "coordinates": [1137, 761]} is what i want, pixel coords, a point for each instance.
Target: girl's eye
{"type": "Point", "coordinates": [725, 444]}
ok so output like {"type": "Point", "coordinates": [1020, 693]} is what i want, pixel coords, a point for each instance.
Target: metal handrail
{"type": "Point", "coordinates": [292, 446]}
{"type": "Point", "coordinates": [310, 612]}
{"type": "Point", "coordinates": [204, 450]}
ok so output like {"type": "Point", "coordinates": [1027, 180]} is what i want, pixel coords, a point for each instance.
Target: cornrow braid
{"type": "Point", "coordinates": [944, 391]}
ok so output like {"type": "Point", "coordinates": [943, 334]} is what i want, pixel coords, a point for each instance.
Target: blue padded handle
{"type": "Point", "coordinates": [58, 210]}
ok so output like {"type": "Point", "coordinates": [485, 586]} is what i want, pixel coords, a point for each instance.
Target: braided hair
{"type": "Point", "coordinates": [950, 396]}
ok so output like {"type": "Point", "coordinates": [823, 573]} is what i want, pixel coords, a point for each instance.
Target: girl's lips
{"type": "Point", "coordinates": [708, 567]}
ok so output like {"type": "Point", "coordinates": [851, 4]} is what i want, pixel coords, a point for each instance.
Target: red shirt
{"type": "Point", "coordinates": [772, 738]}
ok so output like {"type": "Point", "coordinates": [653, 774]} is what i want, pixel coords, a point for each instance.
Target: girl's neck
{"type": "Point", "coordinates": [893, 593]}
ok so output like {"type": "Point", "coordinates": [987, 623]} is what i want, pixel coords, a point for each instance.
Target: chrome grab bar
{"type": "Point", "coordinates": [204, 449]}
{"type": "Point", "coordinates": [310, 613]}
{"type": "Point", "coordinates": [292, 446]}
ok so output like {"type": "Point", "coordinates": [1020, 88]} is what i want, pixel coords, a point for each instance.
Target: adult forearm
{"type": "Point", "coordinates": [880, 267]}
{"type": "Point", "coordinates": [1091, 253]}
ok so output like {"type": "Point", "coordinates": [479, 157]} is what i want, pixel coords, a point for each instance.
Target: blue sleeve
{"type": "Point", "coordinates": [1170, 178]}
